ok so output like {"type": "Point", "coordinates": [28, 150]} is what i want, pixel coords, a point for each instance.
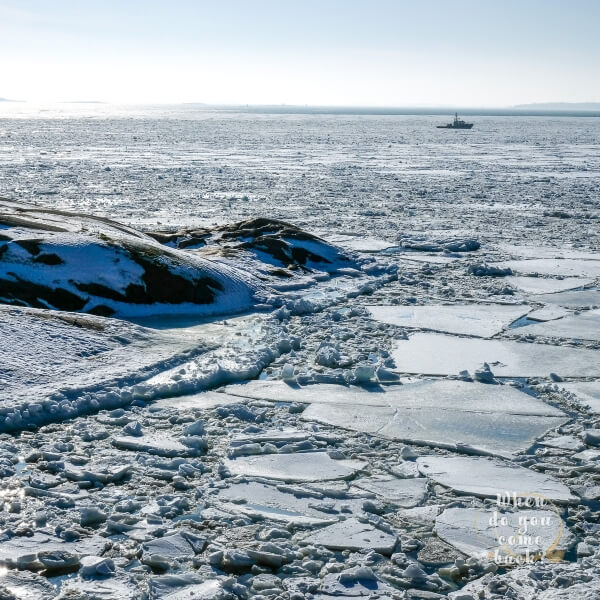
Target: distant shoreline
{"type": "Point", "coordinates": [348, 110]}
{"type": "Point", "coordinates": [291, 109]}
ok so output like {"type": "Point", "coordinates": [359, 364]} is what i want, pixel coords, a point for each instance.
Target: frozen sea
{"type": "Point", "coordinates": [382, 175]}
{"type": "Point", "coordinates": [328, 418]}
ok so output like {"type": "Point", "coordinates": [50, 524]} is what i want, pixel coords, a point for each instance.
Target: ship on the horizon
{"type": "Point", "coordinates": [456, 124]}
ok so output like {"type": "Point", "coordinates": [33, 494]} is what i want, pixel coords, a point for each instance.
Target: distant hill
{"type": "Point", "coordinates": [570, 106]}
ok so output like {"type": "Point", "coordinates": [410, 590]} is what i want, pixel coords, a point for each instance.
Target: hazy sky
{"type": "Point", "coordinates": [341, 52]}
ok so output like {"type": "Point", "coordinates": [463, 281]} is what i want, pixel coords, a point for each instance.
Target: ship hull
{"type": "Point", "coordinates": [468, 126]}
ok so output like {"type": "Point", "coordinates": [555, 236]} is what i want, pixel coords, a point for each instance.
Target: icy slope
{"type": "Point", "coordinates": [68, 261]}
{"type": "Point", "coordinates": [56, 365]}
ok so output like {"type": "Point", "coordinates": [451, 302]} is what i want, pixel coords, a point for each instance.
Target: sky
{"type": "Point", "coordinates": [468, 53]}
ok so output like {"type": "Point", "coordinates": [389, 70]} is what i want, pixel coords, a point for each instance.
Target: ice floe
{"type": "Point", "coordinates": [360, 243]}
{"type": "Point", "coordinates": [555, 267]}
{"type": "Point", "coordinates": [156, 443]}
{"type": "Point", "coordinates": [493, 533]}
{"type": "Point", "coordinates": [453, 414]}
{"type": "Point", "coordinates": [539, 251]}
{"type": "Point", "coordinates": [406, 493]}
{"type": "Point", "coordinates": [584, 326]}
{"type": "Point", "coordinates": [23, 585]}
{"type": "Point", "coordinates": [304, 466]}
{"type": "Point", "coordinates": [28, 552]}
{"type": "Point", "coordinates": [488, 477]}
{"type": "Point", "coordinates": [299, 506]}
{"type": "Point", "coordinates": [547, 285]}
{"type": "Point", "coordinates": [571, 299]}
{"type": "Point", "coordinates": [436, 354]}
{"type": "Point", "coordinates": [481, 320]}
{"type": "Point", "coordinates": [352, 534]}
{"type": "Point", "coordinates": [548, 313]}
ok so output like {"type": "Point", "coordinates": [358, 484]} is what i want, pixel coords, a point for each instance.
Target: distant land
{"type": "Point", "coordinates": [568, 106]}
{"type": "Point", "coordinates": [540, 109]}
{"type": "Point", "coordinates": [529, 110]}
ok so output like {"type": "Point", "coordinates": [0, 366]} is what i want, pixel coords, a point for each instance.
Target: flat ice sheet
{"type": "Point", "coordinates": [428, 258]}
{"type": "Point", "coordinates": [351, 534]}
{"type": "Point", "coordinates": [359, 243]}
{"type": "Point", "coordinates": [587, 391]}
{"type": "Point", "coordinates": [546, 285]}
{"type": "Point", "coordinates": [554, 266]}
{"type": "Point", "coordinates": [474, 432]}
{"type": "Point", "coordinates": [450, 414]}
{"type": "Point", "coordinates": [157, 443]}
{"type": "Point", "coordinates": [437, 354]}
{"type": "Point", "coordinates": [585, 326]}
{"type": "Point", "coordinates": [474, 532]}
{"type": "Point", "coordinates": [280, 391]}
{"type": "Point", "coordinates": [548, 252]}
{"type": "Point", "coordinates": [257, 498]}
{"type": "Point", "coordinates": [486, 478]}
{"type": "Point", "coordinates": [203, 400]}
{"type": "Point", "coordinates": [406, 493]}
{"type": "Point", "coordinates": [436, 394]}
{"type": "Point", "coordinates": [572, 299]}
{"type": "Point", "coordinates": [305, 466]}
{"type": "Point", "coordinates": [481, 320]}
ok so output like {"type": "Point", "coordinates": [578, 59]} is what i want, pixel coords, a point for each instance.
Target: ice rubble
{"type": "Point", "coordinates": [436, 354]}
{"type": "Point", "coordinates": [587, 391]}
{"type": "Point", "coordinates": [481, 320]}
{"type": "Point", "coordinates": [543, 581]}
{"type": "Point", "coordinates": [454, 414]}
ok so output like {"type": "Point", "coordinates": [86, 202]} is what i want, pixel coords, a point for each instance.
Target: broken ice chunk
{"type": "Point", "coordinates": [481, 320]}
{"type": "Point", "coordinates": [406, 493]}
{"type": "Point", "coordinates": [489, 478]}
{"type": "Point", "coordinates": [485, 533]}
{"type": "Point", "coordinates": [304, 466]}
{"type": "Point", "coordinates": [352, 534]}
{"type": "Point", "coordinates": [436, 354]}
{"type": "Point", "coordinates": [154, 443]}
